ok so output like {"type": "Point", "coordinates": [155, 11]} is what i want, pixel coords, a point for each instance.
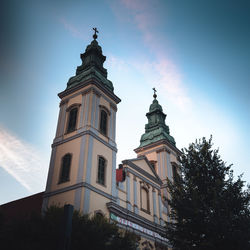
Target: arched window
{"type": "Point", "coordinates": [145, 199]}
{"type": "Point", "coordinates": [99, 213]}
{"type": "Point", "coordinates": [72, 120]}
{"type": "Point", "coordinates": [103, 122]}
{"type": "Point", "coordinates": [65, 168]}
{"type": "Point", "coordinates": [101, 171]}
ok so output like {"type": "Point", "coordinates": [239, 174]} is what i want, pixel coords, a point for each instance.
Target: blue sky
{"type": "Point", "coordinates": [196, 54]}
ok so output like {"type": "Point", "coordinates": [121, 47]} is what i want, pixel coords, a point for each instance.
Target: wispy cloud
{"type": "Point", "coordinates": [22, 161]}
{"type": "Point", "coordinates": [75, 32]}
{"type": "Point", "coordinates": [160, 69]}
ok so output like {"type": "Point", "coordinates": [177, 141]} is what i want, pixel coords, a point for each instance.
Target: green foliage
{"type": "Point", "coordinates": [37, 232]}
{"type": "Point", "coordinates": [209, 210]}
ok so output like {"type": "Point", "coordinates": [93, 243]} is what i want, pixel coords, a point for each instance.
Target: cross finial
{"type": "Point", "coordinates": [154, 93]}
{"type": "Point", "coordinates": [96, 31]}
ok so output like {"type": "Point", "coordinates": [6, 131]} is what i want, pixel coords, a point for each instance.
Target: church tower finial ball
{"type": "Point", "coordinates": [154, 93]}
{"type": "Point", "coordinates": [95, 35]}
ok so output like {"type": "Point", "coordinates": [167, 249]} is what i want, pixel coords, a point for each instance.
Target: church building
{"type": "Point", "coordinates": [83, 171]}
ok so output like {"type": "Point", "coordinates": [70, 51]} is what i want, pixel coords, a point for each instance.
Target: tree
{"type": "Point", "coordinates": [208, 209]}
{"type": "Point", "coordinates": [37, 232]}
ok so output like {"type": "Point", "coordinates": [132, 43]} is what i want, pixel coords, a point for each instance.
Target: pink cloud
{"type": "Point", "coordinates": [72, 29]}
{"type": "Point", "coordinates": [161, 69]}
{"type": "Point", "coordinates": [135, 4]}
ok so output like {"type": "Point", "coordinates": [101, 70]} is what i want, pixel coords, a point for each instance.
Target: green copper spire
{"type": "Point", "coordinates": [156, 129]}
{"type": "Point", "coordinates": [92, 66]}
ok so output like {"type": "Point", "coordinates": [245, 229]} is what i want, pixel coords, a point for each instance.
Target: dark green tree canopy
{"type": "Point", "coordinates": [37, 232]}
{"type": "Point", "coordinates": [208, 208]}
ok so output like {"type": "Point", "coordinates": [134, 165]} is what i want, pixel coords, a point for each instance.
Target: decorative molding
{"type": "Point", "coordinates": [92, 81]}
{"type": "Point", "coordinates": [100, 212]}
{"type": "Point", "coordinates": [135, 195]}
{"type": "Point", "coordinates": [86, 132]}
{"type": "Point", "coordinates": [77, 105]}
{"type": "Point", "coordinates": [86, 109]}
{"type": "Point", "coordinates": [105, 109]}
{"type": "Point", "coordinates": [113, 106]}
{"type": "Point", "coordinates": [82, 112]}
{"type": "Point", "coordinates": [163, 149]}
{"type": "Point", "coordinates": [92, 110]}
{"type": "Point", "coordinates": [114, 190]}
{"type": "Point", "coordinates": [143, 172]}
{"type": "Point", "coordinates": [97, 110]}
{"type": "Point", "coordinates": [144, 179]}
{"type": "Point", "coordinates": [79, 185]}
{"type": "Point", "coordinates": [169, 167]}
{"type": "Point", "coordinates": [96, 92]}
{"type": "Point", "coordinates": [175, 149]}
{"type": "Point", "coordinates": [63, 102]}
{"type": "Point", "coordinates": [88, 176]}
{"type": "Point", "coordinates": [62, 121]}
{"type": "Point", "coordinates": [143, 157]}
{"type": "Point", "coordinates": [128, 191]}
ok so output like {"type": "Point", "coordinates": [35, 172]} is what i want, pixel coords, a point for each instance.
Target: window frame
{"type": "Point", "coordinates": [104, 170]}
{"type": "Point", "coordinates": [69, 110]}
{"type": "Point", "coordinates": [61, 179]}
{"type": "Point", "coordinates": [175, 171]}
{"type": "Point", "coordinates": [104, 109]}
{"type": "Point", "coordinates": [146, 188]}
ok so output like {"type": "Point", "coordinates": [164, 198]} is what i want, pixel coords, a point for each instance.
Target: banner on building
{"type": "Point", "coordinates": [136, 227]}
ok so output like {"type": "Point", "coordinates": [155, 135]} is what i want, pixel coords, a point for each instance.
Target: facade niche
{"type": "Point", "coordinates": [145, 198]}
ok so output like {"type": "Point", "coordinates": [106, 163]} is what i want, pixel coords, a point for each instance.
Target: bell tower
{"type": "Point", "coordinates": [82, 169]}
{"type": "Point", "coordinates": [157, 144]}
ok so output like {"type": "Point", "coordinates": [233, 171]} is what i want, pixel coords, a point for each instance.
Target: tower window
{"type": "Point", "coordinates": [65, 168]}
{"type": "Point", "coordinates": [72, 120]}
{"type": "Point", "coordinates": [103, 122]}
{"type": "Point", "coordinates": [101, 171]}
{"type": "Point", "coordinates": [175, 172]}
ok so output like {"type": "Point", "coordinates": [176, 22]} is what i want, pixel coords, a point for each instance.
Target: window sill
{"type": "Point", "coordinates": [103, 134]}
{"type": "Point", "coordinates": [103, 185]}
{"type": "Point", "coordinates": [69, 132]}
{"type": "Point", "coordinates": [61, 182]}
{"type": "Point", "coordinates": [145, 211]}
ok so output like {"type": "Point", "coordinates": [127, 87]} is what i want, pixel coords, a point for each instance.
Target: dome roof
{"type": "Point", "coordinates": [155, 106]}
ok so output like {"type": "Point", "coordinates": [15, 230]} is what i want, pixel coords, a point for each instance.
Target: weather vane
{"type": "Point", "coordinates": [154, 93]}
{"type": "Point", "coordinates": [96, 31]}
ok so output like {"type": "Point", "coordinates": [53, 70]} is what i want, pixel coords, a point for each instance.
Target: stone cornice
{"type": "Point", "coordinates": [86, 132]}
{"type": "Point", "coordinates": [142, 171]}
{"type": "Point", "coordinates": [143, 157]}
{"type": "Point", "coordinates": [85, 83]}
{"type": "Point", "coordinates": [78, 185]}
{"type": "Point", "coordinates": [161, 142]}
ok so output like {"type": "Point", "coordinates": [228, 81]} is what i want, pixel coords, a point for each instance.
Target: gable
{"type": "Point", "coordinates": [143, 167]}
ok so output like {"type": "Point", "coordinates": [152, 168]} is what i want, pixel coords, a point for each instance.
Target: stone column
{"type": "Point", "coordinates": [82, 111]}
{"type": "Point", "coordinates": [135, 196]}
{"type": "Point", "coordinates": [128, 191]}
{"type": "Point", "coordinates": [154, 206]}
{"type": "Point", "coordinates": [61, 119]}
{"type": "Point", "coordinates": [160, 208]}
